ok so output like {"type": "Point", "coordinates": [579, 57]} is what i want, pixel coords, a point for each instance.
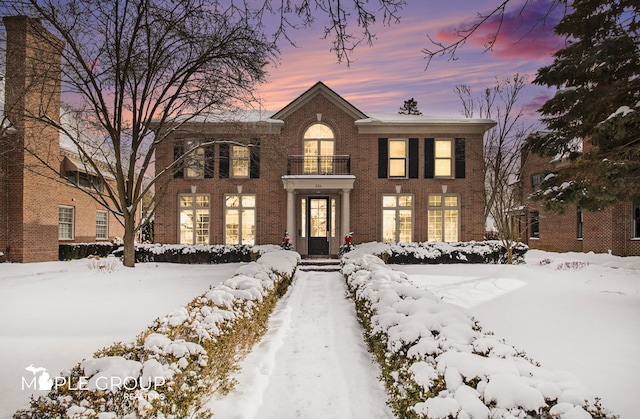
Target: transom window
{"type": "Point", "coordinates": [398, 158]}
{"type": "Point", "coordinates": [319, 145]}
{"type": "Point", "coordinates": [444, 218]}
{"type": "Point", "coordinates": [66, 217]}
{"type": "Point", "coordinates": [194, 218]}
{"type": "Point", "coordinates": [443, 158]}
{"type": "Point", "coordinates": [397, 218]}
{"type": "Point", "coordinates": [240, 219]}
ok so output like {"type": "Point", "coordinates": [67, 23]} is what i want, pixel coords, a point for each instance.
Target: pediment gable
{"type": "Point", "coordinates": [319, 89]}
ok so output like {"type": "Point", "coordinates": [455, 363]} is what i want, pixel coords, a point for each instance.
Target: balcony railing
{"type": "Point", "coordinates": [319, 165]}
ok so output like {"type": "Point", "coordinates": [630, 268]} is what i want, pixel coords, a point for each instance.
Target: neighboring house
{"type": "Point", "coordinates": [318, 169]}
{"type": "Point", "coordinates": [39, 210]}
{"type": "Point", "coordinates": [615, 229]}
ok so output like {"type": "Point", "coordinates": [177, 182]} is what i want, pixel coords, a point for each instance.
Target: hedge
{"type": "Point", "coordinates": [490, 251]}
{"type": "Point", "coordinates": [181, 359]}
{"type": "Point", "coordinates": [437, 362]}
{"type": "Point", "coordinates": [172, 253]}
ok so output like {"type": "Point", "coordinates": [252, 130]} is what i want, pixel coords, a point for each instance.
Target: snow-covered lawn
{"type": "Point", "coordinates": [55, 314]}
{"type": "Point", "coordinates": [573, 312]}
{"type": "Point", "coordinates": [583, 319]}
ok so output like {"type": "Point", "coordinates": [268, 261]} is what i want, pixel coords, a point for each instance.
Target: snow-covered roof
{"type": "Point", "coordinates": [238, 116]}
{"type": "Point", "coordinates": [396, 118]}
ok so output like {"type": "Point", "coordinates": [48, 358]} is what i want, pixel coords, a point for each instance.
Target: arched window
{"type": "Point", "coordinates": [319, 144]}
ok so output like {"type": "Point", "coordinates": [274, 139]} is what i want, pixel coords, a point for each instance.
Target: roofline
{"type": "Point", "coordinates": [310, 93]}
{"type": "Point", "coordinates": [469, 126]}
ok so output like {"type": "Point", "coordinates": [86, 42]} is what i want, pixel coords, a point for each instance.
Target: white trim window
{"type": "Point", "coordinates": [194, 215]}
{"type": "Point", "coordinates": [318, 147]}
{"type": "Point", "coordinates": [240, 219]}
{"type": "Point", "coordinates": [397, 218]}
{"type": "Point", "coordinates": [102, 225]}
{"type": "Point", "coordinates": [444, 218]}
{"type": "Point", "coordinates": [66, 221]}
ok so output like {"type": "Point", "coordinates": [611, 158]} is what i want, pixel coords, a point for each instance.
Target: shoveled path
{"type": "Point", "coordinates": [312, 363]}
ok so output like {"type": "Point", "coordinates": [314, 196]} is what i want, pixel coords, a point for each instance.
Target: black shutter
{"type": "Point", "coordinates": [209, 158]}
{"type": "Point", "coordinates": [383, 157]}
{"type": "Point", "coordinates": [460, 163]}
{"type": "Point", "coordinates": [429, 158]}
{"type": "Point", "coordinates": [254, 162]}
{"type": "Point", "coordinates": [177, 153]}
{"type": "Point", "coordinates": [413, 158]}
{"type": "Point", "coordinates": [224, 161]}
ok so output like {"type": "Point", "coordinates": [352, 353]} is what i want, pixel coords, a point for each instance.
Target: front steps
{"type": "Point", "coordinates": [319, 265]}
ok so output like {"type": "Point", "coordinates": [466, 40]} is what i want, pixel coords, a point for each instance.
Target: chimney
{"type": "Point", "coordinates": [32, 90]}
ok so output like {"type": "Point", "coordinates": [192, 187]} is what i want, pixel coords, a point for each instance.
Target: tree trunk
{"type": "Point", "coordinates": [510, 255]}
{"type": "Point", "coordinates": [129, 242]}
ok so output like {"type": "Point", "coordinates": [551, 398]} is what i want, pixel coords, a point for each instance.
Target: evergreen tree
{"type": "Point", "coordinates": [597, 75]}
{"type": "Point", "coordinates": [410, 107]}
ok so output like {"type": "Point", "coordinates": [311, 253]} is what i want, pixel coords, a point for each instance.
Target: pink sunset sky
{"type": "Point", "coordinates": [380, 78]}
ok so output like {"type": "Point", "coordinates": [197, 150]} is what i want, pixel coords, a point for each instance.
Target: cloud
{"type": "Point", "coordinates": [525, 31]}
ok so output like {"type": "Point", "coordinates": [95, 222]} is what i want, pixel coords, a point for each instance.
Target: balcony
{"type": "Point", "coordinates": [319, 165]}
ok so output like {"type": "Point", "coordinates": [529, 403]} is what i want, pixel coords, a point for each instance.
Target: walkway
{"type": "Point", "coordinates": [312, 363]}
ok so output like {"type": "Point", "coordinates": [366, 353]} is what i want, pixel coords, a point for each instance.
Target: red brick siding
{"type": "Point", "coordinates": [365, 198]}
{"type": "Point", "coordinates": [604, 231]}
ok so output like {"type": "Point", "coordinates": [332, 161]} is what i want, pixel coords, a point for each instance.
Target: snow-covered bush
{"type": "Point", "coordinates": [490, 251]}
{"type": "Point", "coordinates": [68, 251]}
{"type": "Point", "coordinates": [192, 254]}
{"type": "Point", "coordinates": [181, 359]}
{"type": "Point", "coordinates": [437, 362]}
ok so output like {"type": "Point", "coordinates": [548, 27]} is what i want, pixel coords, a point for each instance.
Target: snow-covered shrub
{"type": "Point", "coordinates": [192, 254]}
{"type": "Point", "coordinates": [437, 362]}
{"type": "Point", "coordinates": [68, 251]}
{"type": "Point", "coordinates": [490, 251]}
{"type": "Point", "coordinates": [181, 359]}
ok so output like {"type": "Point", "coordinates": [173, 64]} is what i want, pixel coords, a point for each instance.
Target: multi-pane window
{"type": "Point", "coordinates": [318, 145]}
{"type": "Point", "coordinates": [536, 181]}
{"type": "Point", "coordinates": [102, 225]}
{"type": "Point", "coordinates": [398, 158]}
{"type": "Point", "coordinates": [65, 222]}
{"type": "Point", "coordinates": [240, 161]}
{"type": "Point", "coordinates": [84, 180]}
{"type": "Point", "coordinates": [240, 219]}
{"type": "Point", "coordinates": [194, 218]}
{"type": "Point", "coordinates": [443, 153]}
{"type": "Point", "coordinates": [195, 161]}
{"type": "Point", "coordinates": [397, 218]}
{"type": "Point", "coordinates": [444, 218]}
{"type": "Point", "coordinates": [534, 224]}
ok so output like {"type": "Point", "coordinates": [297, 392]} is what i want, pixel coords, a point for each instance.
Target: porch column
{"type": "Point", "coordinates": [291, 215]}
{"type": "Point", "coordinates": [346, 227]}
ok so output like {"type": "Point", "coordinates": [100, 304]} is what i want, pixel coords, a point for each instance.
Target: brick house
{"type": "Point", "coordinates": [615, 229]}
{"type": "Point", "coordinates": [39, 210]}
{"type": "Point", "coordinates": [319, 168]}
